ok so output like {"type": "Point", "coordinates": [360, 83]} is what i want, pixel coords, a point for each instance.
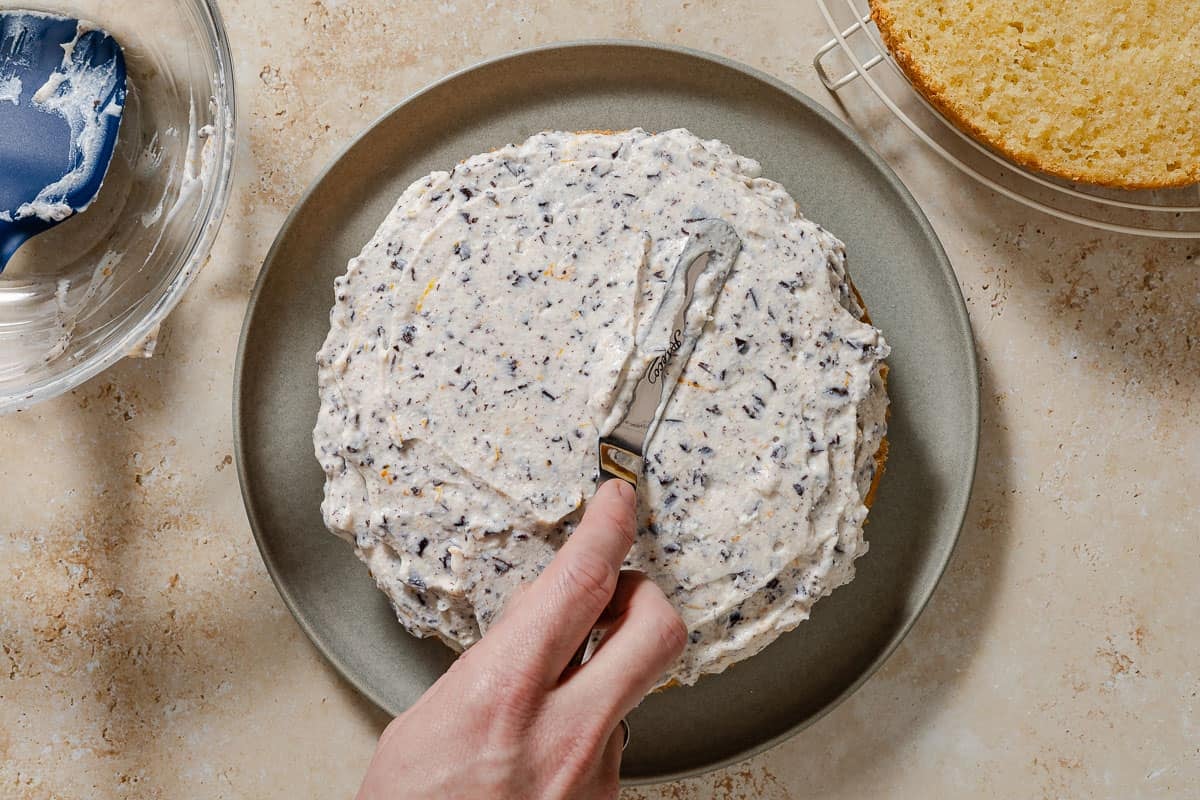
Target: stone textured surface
{"type": "Point", "coordinates": [144, 652]}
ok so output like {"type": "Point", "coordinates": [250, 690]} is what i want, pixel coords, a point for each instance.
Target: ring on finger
{"type": "Point", "coordinates": [625, 732]}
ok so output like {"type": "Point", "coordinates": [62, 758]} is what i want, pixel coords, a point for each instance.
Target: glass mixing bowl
{"type": "Point", "coordinates": [81, 296]}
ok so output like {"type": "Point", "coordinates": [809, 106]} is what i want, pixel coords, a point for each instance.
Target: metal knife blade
{"type": "Point", "coordinates": [712, 250]}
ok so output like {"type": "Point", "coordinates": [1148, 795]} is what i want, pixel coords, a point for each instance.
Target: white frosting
{"type": "Point", "coordinates": [480, 341]}
{"type": "Point", "coordinates": [72, 93]}
{"type": "Point", "coordinates": [10, 89]}
{"type": "Point", "coordinates": [67, 314]}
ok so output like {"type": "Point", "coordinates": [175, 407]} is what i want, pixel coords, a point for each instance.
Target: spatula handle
{"type": "Point", "coordinates": [11, 238]}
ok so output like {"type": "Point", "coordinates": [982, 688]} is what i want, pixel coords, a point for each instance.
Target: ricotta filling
{"type": "Point", "coordinates": [482, 340]}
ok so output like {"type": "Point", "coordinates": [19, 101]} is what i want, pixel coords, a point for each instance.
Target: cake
{"type": "Point", "coordinates": [479, 341]}
{"type": "Point", "coordinates": [1103, 92]}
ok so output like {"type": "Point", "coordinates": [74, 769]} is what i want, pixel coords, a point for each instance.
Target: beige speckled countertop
{"type": "Point", "coordinates": [144, 652]}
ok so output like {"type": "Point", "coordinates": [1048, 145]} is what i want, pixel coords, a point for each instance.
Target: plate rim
{"type": "Point", "coordinates": [851, 136]}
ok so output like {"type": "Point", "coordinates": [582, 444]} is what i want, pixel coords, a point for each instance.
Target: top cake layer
{"type": "Point", "coordinates": [1103, 92]}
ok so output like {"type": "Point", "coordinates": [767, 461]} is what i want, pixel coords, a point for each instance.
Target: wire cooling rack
{"type": "Point", "coordinates": [856, 55]}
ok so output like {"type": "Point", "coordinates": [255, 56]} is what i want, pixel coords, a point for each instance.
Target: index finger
{"type": "Point", "coordinates": [559, 609]}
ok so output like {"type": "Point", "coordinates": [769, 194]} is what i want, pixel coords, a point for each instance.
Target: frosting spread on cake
{"type": "Point", "coordinates": [479, 344]}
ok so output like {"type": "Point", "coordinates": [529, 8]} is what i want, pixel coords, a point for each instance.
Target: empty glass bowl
{"type": "Point", "coordinates": [84, 295]}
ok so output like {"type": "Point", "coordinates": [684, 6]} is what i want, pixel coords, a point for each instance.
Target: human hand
{"type": "Point", "coordinates": [512, 718]}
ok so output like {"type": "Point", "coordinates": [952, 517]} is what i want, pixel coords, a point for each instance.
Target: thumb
{"type": "Point", "coordinates": [558, 610]}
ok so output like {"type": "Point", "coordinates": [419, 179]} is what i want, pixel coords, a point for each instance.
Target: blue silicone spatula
{"type": "Point", "coordinates": [62, 96]}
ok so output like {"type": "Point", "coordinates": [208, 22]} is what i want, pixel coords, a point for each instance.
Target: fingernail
{"type": "Point", "coordinates": [624, 489]}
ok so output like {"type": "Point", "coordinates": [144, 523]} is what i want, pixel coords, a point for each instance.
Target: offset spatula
{"type": "Point", "coordinates": [709, 253]}
{"type": "Point", "coordinates": [62, 96]}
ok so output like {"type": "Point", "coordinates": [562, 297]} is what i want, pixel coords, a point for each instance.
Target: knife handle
{"type": "Point", "coordinates": [618, 462]}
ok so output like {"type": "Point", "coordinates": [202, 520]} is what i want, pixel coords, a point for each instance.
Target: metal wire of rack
{"type": "Point", "coordinates": [1163, 213]}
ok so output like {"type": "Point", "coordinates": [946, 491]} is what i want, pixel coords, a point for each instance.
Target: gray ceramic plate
{"type": "Point", "coordinates": [897, 264]}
